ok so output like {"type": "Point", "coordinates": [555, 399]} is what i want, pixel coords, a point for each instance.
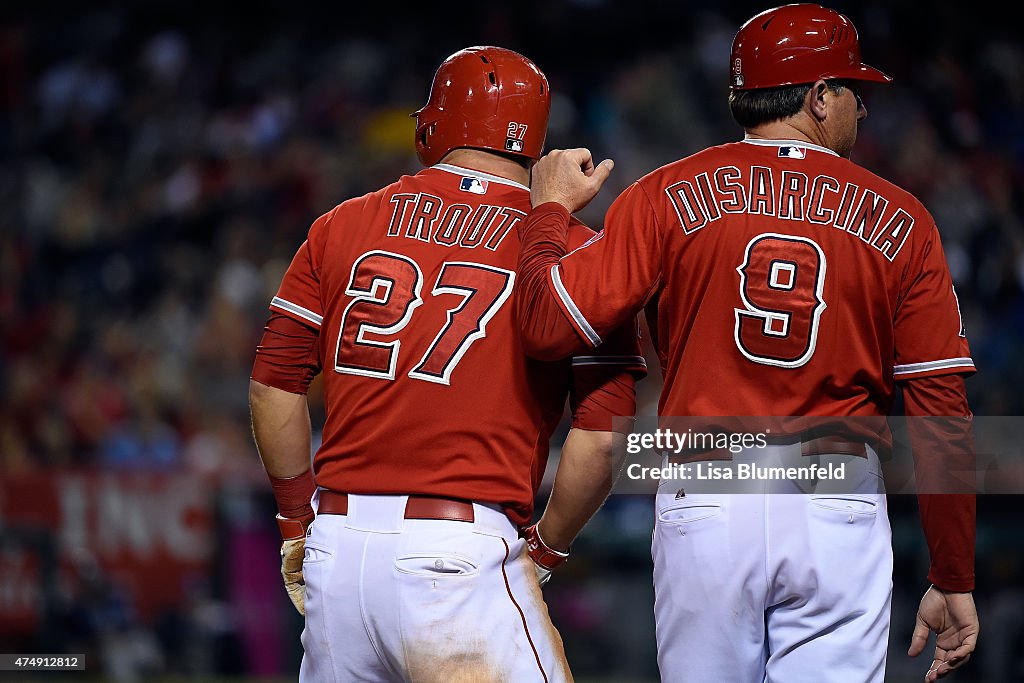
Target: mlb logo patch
{"type": "Point", "coordinates": [791, 152]}
{"type": "Point", "coordinates": [474, 185]}
{"type": "Point", "coordinates": [513, 145]}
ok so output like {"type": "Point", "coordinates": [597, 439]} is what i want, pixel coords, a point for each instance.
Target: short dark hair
{"type": "Point", "coordinates": [751, 108]}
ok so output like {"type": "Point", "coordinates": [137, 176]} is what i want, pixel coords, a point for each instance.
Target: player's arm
{"type": "Point", "coordinates": [587, 470]}
{"type": "Point", "coordinates": [566, 302]}
{"type": "Point", "coordinates": [603, 403]}
{"type": "Point", "coordinates": [286, 362]}
{"type": "Point", "coordinates": [281, 429]}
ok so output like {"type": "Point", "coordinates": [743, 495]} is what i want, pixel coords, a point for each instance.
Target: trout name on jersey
{"type": "Point", "coordinates": [791, 195]}
{"type": "Point", "coordinates": [424, 217]}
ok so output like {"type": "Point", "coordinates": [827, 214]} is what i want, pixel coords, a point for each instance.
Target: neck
{"type": "Point", "coordinates": [794, 128]}
{"type": "Point", "coordinates": [487, 162]}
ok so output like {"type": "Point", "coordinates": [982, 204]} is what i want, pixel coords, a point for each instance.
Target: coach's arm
{"type": "Point", "coordinates": [570, 300]}
{"type": "Point", "coordinates": [943, 449]}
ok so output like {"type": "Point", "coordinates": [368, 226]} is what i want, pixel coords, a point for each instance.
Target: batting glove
{"type": "Point", "coordinates": [293, 547]}
{"type": "Point", "coordinates": [545, 559]}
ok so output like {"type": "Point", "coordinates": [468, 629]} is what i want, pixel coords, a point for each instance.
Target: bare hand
{"type": "Point", "coordinates": [954, 619]}
{"type": "Point", "coordinates": [569, 177]}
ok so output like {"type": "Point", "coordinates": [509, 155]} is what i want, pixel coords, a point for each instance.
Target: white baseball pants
{"type": "Point", "coordinates": [423, 601]}
{"type": "Point", "coordinates": [773, 585]}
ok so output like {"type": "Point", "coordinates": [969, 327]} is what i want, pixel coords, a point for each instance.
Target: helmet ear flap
{"type": "Point", "coordinates": [426, 150]}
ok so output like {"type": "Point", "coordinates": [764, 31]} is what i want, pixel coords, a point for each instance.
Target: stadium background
{"type": "Point", "coordinates": [159, 164]}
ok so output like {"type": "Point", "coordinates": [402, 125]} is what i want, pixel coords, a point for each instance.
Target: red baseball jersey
{"type": "Point", "coordinates": [426, 385]}
{"type": "Point", "coordinates": [779, 279]}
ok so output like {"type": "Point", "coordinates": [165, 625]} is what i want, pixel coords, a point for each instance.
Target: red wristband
{"type": "Point", "coordinates": [539, 552]}
{"type": "Point", "coordinates": [294, 528]}
{"type": "Point", "coordinates": [293, 495]}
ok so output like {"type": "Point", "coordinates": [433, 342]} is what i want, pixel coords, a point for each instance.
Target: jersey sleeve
{"type": "Point", "coordinates": [930, 338]}
{"type": "Point", "coordinates": [942, 441]}
{"type": "Point", "coordinates": [299, 294]}
{"type": "Point", "coordinates": [288, 356]}
{"type": "Point", "coordinates": [597, 287]}
{"type": "Point", "coordinates": [607, 281]}
{"type": "Point", "coordinates": [604, 382]}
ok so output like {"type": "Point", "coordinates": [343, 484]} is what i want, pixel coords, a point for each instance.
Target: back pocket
{"type": "Point", "coordinates": [436, 564]}
{"type": "Point", "coordinates": [314, 552]}
{"type": "Point", "coordinates": [690, 512]}
{"type": "Point", "coordinates": [848, 504]}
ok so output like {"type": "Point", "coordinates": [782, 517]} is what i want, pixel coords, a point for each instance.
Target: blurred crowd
{"type": "Point", "coordinates": [160, 163]}
{"type": "Point", "coordinates": [157, 176]}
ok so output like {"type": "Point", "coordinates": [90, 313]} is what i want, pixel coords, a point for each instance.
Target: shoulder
{"type": "Point", "coordinates": [353, 211]}
{"type": "Point", "coordinates": [371, 201]}
{"type": "Point", "coordinates": [404, 184]}
{"type": "Point", "coordinates": [579, 233]}
{"type": "Point", "coordinates": [899, 203]}
{"type": "Point", "coordinates": [887, 188]}
{"type": "Point", "coordinates": [655, 182]}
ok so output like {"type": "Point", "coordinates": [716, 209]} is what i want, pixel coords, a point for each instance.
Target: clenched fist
{"type": "Point", "coordinates": [569, 177]}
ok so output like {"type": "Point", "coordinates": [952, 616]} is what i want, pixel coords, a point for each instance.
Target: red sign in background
{"type": "Point", "coordinates": [150, 534]}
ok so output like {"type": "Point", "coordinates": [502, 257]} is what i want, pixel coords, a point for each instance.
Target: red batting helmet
{"type": "Point", "coordinates": [796, 44]}
{"type": "Point", "coordinates": [486, 98]}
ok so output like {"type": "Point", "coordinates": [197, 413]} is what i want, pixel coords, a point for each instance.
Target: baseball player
{"type": "Point", "coordinates": [779, 279]}
{"type": "Point", "coordinates": [417, 566]}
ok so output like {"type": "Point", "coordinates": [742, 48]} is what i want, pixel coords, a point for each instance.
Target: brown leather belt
{"type": "Point", "coordinates": [824, 445]}
{"type": "Point", "coordinates": [417, 507]}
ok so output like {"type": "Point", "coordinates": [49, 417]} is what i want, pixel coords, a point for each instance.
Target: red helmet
{"type": "Point", "coordinates": [796, 44]}
{"type": "Point", "coordinates": [486, 98]}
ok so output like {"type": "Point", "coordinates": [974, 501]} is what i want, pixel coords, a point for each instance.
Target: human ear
{"type": "Point", "coordinates": [816, 100]}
